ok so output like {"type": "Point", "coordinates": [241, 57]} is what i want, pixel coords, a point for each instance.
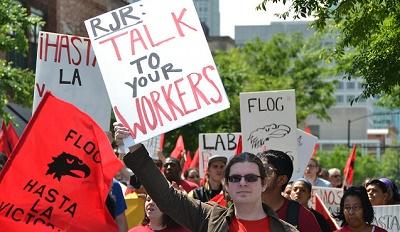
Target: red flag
{"type": "Point", "coordinates": [4, 145]}
{"type": "Point", "coordinates": [8, 138]}
{"type": "Point", "coordinates": [348, 170]}
{"type": "Point", "coordinates": [315, 150]}
{"type": "Point", "coordinates": [179, 147]}
{"type": "Point", "coordinates": [320, 207]}
{"type": "Point", "coordinates": [60, 173]}
{"type": "Point", "coordinates": [188, 161]}
{"type": "Point", "coordinates": [239, 147]}
{"type": "Point", "coordinates": [195, 160]}
{"type": "Point", "coordinates": [12, 135]}
{"type": "Point", "coordinates": [220, 199]}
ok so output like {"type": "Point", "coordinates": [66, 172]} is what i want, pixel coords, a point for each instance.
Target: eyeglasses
{"type": "Point", "coordinates": [336, 176]}
{"type": "Point", "coordinates": [354, 208]}
{"type": "Point", "coordinates": [311, 166]}
{"type": "Point", "coordinates": [248, 178]}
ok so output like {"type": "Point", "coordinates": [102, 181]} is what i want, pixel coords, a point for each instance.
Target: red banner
{"type": "Point", "coordinates": [60, 173]}
{"type": "Point", "coordinates": [348, 170]}
{"type": "Point", "coordinates": [8, 138]}
{"type": "Point", "coordinates": [179, 148]}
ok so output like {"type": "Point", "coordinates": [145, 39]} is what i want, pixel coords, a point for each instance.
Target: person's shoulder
{"type": "Point", "coordinates": [287, 227]}
{"type": "Point", "coordinates": [379, 229]}
{"type": "Point", "coordinates": [323, 183]}
{"type": "Point", "coordinates": [139, 229]}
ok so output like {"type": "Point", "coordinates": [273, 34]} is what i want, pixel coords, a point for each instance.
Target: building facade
{"type": "Point", "coordinates": [208, 11]}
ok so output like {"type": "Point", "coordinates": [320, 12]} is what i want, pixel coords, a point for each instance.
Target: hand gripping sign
{"type": "Point", "coordinates": [157, 67]}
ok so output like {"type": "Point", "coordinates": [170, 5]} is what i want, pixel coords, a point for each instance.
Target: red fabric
{"type": "Point", "coordinates": [315, 150]}
{"type": "Point", "coordinates": [162, 138]}
{"type": "Point", "coordinates": [219, 199]}
{"type": "Point", "coordinates": [307, 220]}
{"type": "Point", "coordinates": [348, 170]}
{"type": "Point", "coordinates": [179, 147]}
{"type": "Point", "coordinates": [8, 139]}
{"type": "Point", "coordinates": [187, 185]}
{"type": "Point", "coordinates": [59, 174]}
{"type": "Point", "coordinates": [240, 225]}
{"type": "Point", "coordinates": [307, 130]}
{"type": "Point", "coordinates": [346, 228]}
{"type": "Point", "coordinates": [320, 208]}
{"type": "Point", "coordinates": [239, 148]}
{"type": "Point", "coordinates": [12, 135]}
{"type": "Point", "coordinates": [195, 160]}
{"type": "Point", "coordinates": [147, 228]}
{"type": "Point", "coordinates": [4, 146]}
{"type": "Point", "coordinates": [188, 161]}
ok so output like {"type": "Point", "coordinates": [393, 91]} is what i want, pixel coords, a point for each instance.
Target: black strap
{"type": "Point", "coordinates": [292, 214]}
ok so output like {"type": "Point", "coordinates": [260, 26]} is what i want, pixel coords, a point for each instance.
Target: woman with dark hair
{"type": "Point", "coordinates": [356, 212]}
{"type": "Point", "coordinates": [155, 220]}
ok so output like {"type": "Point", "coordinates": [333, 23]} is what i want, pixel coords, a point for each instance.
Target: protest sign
{"type": "Point", "coordinates": [268, 121]}
{"type": "Point", "coordinates": [211, 144]}
{"type": "Point", "coordinates": [157, 66]}
{"type": "Point", "coordinates": [387, 217]}
{"type": "Point", "coordinates": [66, 66]}
{"type": "Point", "coordinates": [305, 146]}
{"type": "Point", "coordinates": [60, 173]}
{"type": "Point", "coordinates": [152, 145]}
{"type": "Point", "coordinates": [330, 197]}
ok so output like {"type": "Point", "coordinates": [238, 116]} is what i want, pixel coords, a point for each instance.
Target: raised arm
{"type": "Point", "coordinates": [188, 212]}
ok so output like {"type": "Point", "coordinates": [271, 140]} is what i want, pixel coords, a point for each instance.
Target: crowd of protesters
{"type": "Point", "coordinates": [256, 193]}
{"type": "Point", "coordinates": [250, 192]}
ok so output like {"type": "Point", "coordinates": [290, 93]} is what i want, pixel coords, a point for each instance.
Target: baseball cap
{"type": "Point", "coordinates": [217, 158]}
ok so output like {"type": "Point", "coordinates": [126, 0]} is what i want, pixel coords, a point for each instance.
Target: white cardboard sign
{"type": "Point", "coordinates": [66, 66]}
{"type": "Point", "coordinates": [157, 66]}
{"type": "Point", "coordinates": [268, 121]}
{"type": "Point", "coordinates": [152, 145]}
{"type": "Point", "coordinates": [387, 217]}
{"type": "Point", "coordinates": [211, 144]}
{"type": "Point", "coordinates": [305, 147]}
{"type": "Point", "coordinates": [330, 197]}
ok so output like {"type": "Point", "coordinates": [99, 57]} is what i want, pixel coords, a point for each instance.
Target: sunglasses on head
{"type": "Point", "coordinates": [247, 178]}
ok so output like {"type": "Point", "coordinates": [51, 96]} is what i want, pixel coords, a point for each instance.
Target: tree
{"type": "Point", "coordinates": [284, 62]}
{"type": "Point", "coordinates": [369, 30]}
{"type": "Point", "coordinates": [16, 84]}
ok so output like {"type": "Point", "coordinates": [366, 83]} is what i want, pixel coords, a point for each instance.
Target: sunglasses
{"type": "Point", "coordinates": [247, 178]}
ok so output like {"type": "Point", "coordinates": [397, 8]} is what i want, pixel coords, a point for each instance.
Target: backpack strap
{"type": "Point", "coordinates": [292, 214]}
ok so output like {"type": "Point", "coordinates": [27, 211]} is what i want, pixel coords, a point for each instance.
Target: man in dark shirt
{"type": "Point", "coordinates": [279, 169]}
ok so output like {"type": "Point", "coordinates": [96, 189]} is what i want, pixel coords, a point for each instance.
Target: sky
{"type": "Point", "coordinates": [243, 12]}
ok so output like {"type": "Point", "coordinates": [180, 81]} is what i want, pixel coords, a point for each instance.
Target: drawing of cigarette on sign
{"type": "Point", "coordinates": [259, 136]}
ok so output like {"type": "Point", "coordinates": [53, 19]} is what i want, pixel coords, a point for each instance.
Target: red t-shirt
{"type": "Point", "coordinates": [307, 221]}
{"type": "Point", "coordinates": [346, 228]}
{"type": "Point", "coordinates": [239, 225]}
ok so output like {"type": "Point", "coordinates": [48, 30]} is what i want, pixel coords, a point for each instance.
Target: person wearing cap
{"type": "Point", "coordinates": [301, 192]}
{"type": "Point", "coordinates": [173, 170]}
{"type": "Point", "coordinates": [378, 191]}
{"type": "Point", "coordinates": [214, 177]}
{"type": "Point", "coordinates": [279, 169]}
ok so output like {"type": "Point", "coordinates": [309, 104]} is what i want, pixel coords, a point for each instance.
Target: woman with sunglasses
{"type": "Point", "coordinates": [356, 212]}
{"type": "Point", "coordinates": [244, 181]}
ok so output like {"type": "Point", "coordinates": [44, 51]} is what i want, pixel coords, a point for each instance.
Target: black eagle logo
{"type": "Point", "coordinates": [67, 165]}
{"type": "Point", "coordinates": [260, 136]}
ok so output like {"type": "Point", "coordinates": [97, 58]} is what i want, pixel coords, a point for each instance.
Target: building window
{"type": "Point", "coordinates": [339, 99]}
{"type": "Point", "coordinates": [350, 98]}
{"type": "Point", "coordinates": [339, 85]}
{"type": "Point", "coordinates": [350, 85]}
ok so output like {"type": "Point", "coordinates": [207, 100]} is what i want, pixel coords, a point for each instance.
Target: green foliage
{"type": "Point", "coordinates": [284, 62]}
{"type": "Point", "coordinates": [367, 166]}
{"type": "Point", "coordinates": [16, 84]}
{"type": "Point", "coordinates": [390, 100]}
{"type": "Point", "coordinates": [369, 28]}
